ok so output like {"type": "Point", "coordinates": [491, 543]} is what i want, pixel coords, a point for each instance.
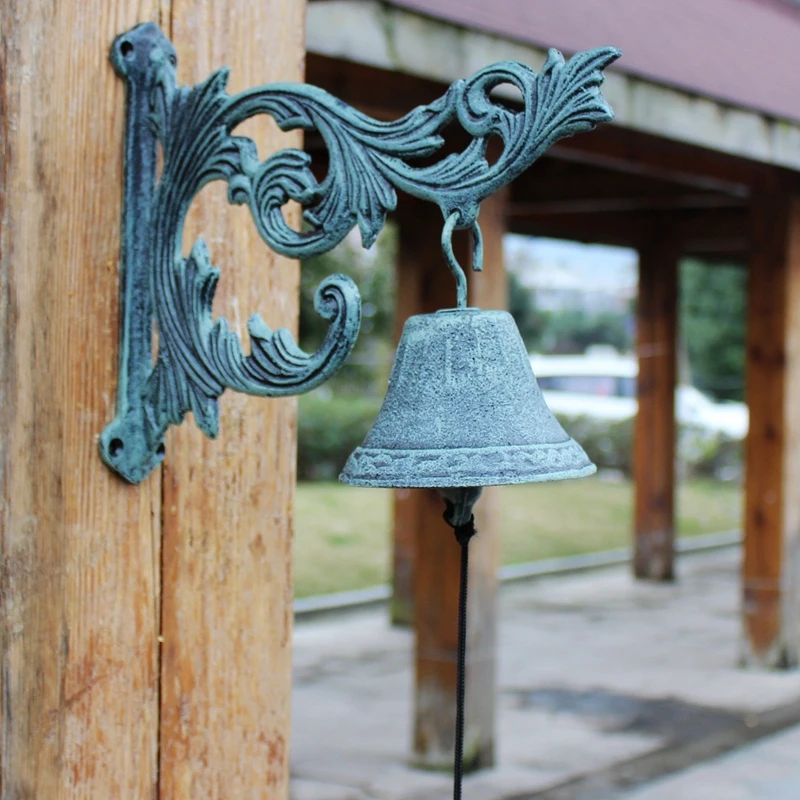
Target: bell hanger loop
{"type": "Point", "coordinates": [450, 225]}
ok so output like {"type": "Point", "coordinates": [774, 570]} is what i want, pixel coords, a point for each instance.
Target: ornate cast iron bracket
{"type": "Point", "coordinates": [198, 358]}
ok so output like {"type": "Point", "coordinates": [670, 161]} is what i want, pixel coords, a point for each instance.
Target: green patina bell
{"type": "Point", "coordinates": [463, 410]}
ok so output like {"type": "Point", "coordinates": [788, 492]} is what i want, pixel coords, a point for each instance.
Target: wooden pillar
{"type": "Point", "coordinates": [80, 549]}
{"type": "Point", "coordinates": [771, 579]}
{"type": "Point", "coordinates": [91, 622]}
{"type": "Point", "coordinates": [654, 435]}
{"type": "Point", "coordinates": [227, 588]}
{"type": "Point", "coordinates": [429, 551]}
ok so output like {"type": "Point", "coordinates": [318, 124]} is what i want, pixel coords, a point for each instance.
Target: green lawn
{"type": "Point", "coordinates": [342, 533]}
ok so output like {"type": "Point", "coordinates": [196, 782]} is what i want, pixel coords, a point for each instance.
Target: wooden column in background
{"type": "Point", "coordinates": [771, 579]}
{"type": "Point", "coordinates": [654, 435]}
{"type": "Point", "coordinates": [80, 548]}
{"type": "Point", "coordinates": [426, 552]}
{"type": "Point", "coordinates": [228, 503]}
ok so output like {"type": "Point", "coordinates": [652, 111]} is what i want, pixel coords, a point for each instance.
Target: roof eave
{"type": "Point", "coordinates": [372, 33]}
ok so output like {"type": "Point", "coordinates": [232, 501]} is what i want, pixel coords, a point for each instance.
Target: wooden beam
{"type": "Point", "coordinates": [387, 93]}
{"type": "Point", "coordinates": [654, 437]}
{"type": "Point", "coordinates": [227, 590]}
{"type": "Point", "coordinates": [626, 150]}
{"type": "Point", "coordinates": [771, 570]}
{"type": "Point", "coordinates": [626, 204]}
{"type": "Point", "coordinates": [558, 180]}
{"type": "Point", "coordinates": [708, 230]}
{"type": "Point", "coordinates": [80, 549]}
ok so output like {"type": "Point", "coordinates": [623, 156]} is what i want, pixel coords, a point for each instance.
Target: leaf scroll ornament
{"type": "Point", "coordinates": [369, 160]}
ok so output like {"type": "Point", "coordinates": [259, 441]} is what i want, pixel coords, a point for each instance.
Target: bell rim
{"type": "Point", "coordinates": [474, 481]}
{"type": "Point", "coordinates": [406, 469]}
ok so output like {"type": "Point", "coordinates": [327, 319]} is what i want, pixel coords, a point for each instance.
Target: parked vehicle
{"type": "Point", "coordinates": [603, 385]}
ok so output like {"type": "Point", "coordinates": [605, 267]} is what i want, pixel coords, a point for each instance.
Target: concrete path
{"type": "Point", "coordinates": [769, 770]}
{"type": "Point", "coordinates": [600, 680]}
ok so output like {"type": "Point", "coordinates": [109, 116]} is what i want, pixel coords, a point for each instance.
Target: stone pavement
{"type": "Point", "coordinates": [768, 770]}
{"type": "Point", "coordinates": [601, 682]}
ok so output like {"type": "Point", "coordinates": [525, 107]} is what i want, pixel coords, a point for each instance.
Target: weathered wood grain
{"type": "Point", "coordinates": [228, 504]}
{"type": "Point", "coordinates": [654, 429]}
{"type": "Point", "coordinates": [771, 575]}
{"type": "Point", "coordinates": [78, 577]}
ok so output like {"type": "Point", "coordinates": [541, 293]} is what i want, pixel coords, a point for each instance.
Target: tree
{"type": "Point", "coordinates": [713, 301]}
{"type": "Point", "coordinates": [522, 306]}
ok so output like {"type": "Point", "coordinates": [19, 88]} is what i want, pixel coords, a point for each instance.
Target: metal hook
{"type": "Point", "coordinates": [452, 262]}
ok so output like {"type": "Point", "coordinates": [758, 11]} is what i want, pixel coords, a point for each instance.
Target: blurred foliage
{"type": "Point", "coordinates": [713, 303]}
{"type": "Point", "coordinates": [608, 444]}
{"type": "Point", "coordinates": [334, 419]}
{"type": "Point", "coordinates": [573, 330]}
{"type": "Point", "coordinates": [700, 453]}
{"type": "Point", "coordinates": [522, 306]}
{"type": "Point", "coordinates": [569, 331]}
{"type": "Point", "coordinates": [329, 428]}
{"type": "Point", "coordinates": [367, 368]}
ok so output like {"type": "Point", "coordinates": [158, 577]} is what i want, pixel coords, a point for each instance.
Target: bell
{"type": "Point", "coordinates": [463, 409]}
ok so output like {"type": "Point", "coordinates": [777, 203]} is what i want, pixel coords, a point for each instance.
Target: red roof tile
{"type": "Point", "coordinates": [743, 52]}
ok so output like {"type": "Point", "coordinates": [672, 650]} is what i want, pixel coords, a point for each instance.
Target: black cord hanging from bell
{"type": "Point", "coordinates": [464, 533]}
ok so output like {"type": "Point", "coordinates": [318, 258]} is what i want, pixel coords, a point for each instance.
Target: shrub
{"type": "Point", "coordinates": [699, 452]}
{"type": "Point", "coordinates": [329, 428]}
{"type": "Point", "coordinates": [608, 444]}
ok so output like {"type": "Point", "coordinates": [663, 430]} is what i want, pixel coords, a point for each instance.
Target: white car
{"type": "Point", "coordinates": [603, 385]}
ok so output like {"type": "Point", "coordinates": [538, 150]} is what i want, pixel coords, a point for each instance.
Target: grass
{"type": "Point", "coordinates": [342, 538]}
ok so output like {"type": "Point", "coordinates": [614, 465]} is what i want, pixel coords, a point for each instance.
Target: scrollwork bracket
{"type": "Point", "coordinates": [198, 357]}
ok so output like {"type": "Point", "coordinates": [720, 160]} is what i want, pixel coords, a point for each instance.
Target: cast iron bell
{"type": "Point", "coordinates": [463, 409]}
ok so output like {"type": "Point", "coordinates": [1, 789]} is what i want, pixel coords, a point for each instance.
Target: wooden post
{"type": "Point", "coordinates": [654, 436]}
{"type": "Point", "coordinates": [227, 588]}
{"type": "Point", "coordinates": [435, 555]}
{"type": "Point", "coordinates": [80, 549]}
{"type": "Point", "coordinates": [85, 599]}
{"type": "Point", "coordinates": [771, 579]}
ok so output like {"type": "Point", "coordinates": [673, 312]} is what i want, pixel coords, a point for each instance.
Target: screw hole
{"type": "Point", "coordinates": [115, 447]}
{"type": "Point", "coordinates": [160, 450]}
{"type": "Point", "coordinates": [126, 48]}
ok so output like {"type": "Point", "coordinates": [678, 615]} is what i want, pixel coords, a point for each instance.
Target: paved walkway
{"type": "Point", "coordinates": [595, 671]}
{"type": "Point", "coordinates": [769, 770]}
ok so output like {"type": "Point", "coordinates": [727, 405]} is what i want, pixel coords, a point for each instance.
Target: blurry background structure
{"type": "Point", "coordinates": [696, 181]}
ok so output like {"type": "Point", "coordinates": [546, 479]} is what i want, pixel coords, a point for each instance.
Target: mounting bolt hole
{"type": "Point", "coordinates": [160, 450]}
{"type": "Point", "coordinates": [115, 447]}
{"type": "Point", "coordinates": [126, 48]}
